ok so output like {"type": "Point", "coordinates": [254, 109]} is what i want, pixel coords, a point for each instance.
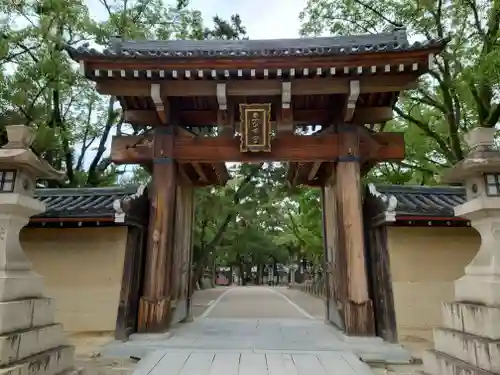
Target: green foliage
{"type": "Point", "coordinates": [41, 87]}
{"type": "Point", "coordinates": [460, 93]}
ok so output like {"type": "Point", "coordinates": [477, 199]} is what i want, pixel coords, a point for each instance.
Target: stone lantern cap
{"type": "Point", "coordinates": [16, 154]}
{"type": "Point", "coordinates": [483, 157]}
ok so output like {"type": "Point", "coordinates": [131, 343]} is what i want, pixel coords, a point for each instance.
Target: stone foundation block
{"type": "Point", "coordinates": [25, 313]}
{"type": "Point", "coordinates": [17, 345]}
{"type": "Point", "coordinates": [438, 363]}
{"type": "Point", "coordinates": [15, 285]}
{"type": "Point", "coordinates": [475, 319]}
{"type": "Point", "coordinates": [52, 362]}
{"type": "Point", "coordinates": [478, 351]}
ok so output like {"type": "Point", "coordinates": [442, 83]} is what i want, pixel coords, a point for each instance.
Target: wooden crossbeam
{"type": "Point", "coordinates": [361, 115]}
{"type": "Point", "coordinates": [325, 86]}
{"type": "Point", "coordinates": [286, 147]}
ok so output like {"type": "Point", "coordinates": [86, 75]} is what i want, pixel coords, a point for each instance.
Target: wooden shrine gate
{"type": "Point", "coordinates": [257, 94]}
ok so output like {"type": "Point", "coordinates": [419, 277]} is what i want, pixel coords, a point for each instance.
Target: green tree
{"type": "Point", "coordinates": [460, 93]}
{"type": "Point", "coordinates": [41, 86]}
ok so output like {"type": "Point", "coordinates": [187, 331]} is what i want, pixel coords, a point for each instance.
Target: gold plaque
{"type": "Point", "coordinates": [255, 127]}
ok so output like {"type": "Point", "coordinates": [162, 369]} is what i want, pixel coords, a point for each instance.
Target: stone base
{"type": "Point", "coordinates": [51, 362]}
{"type": "Point", "coordinates": [474, 319]}
{"type": "Point", "coordinates": [484, 290]}
{"type": "Point", "coordinates": [468, 343]}
{"type": "Point", "coordinates": [17, 345]}
{"type": "Point", "coordinates": [438, 363]}
{"type": "Point", "coordinates": [30, 343]}
{"type": "Point", "coordinates": [26, 313]}
{"type": "Point", "coordinates": [477, 351]}
{"type": "Point", "coordinates": [15, 285]}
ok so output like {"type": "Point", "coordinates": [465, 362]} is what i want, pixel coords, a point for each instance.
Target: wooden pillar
{"type": "Point", "coordinates": [379, 269]}
{"type": "Point", "coordinates": [335, 263]}
{"type": "Point", "coordinates": [182, 257]}
{"type": "Point", "coordinates": [358, 308]}
{"type": "Point", "coordinates": [154, 306]}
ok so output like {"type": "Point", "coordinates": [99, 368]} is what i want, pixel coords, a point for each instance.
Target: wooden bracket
{"type": "Point", "coordinates": [286, 94]}
{"type": "Point", "coordinates": [285, 118]}
{"type": "Point", "coordinates": [354, 91]}
{"type": "Point", "coordinates": [222, 96]}
{"type": "Point", "coordinates": [161, 108]}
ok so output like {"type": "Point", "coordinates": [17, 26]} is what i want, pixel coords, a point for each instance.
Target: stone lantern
{"type": "Point", "coordinates": [30, 342]}
{"type": "Point", "coordinates": [468, 341]}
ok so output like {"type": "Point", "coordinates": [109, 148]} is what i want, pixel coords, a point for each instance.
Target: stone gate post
{"type": "Point", "coordinates": [468, 341]}
{"type": "Point", "coordinates": [30, 342]}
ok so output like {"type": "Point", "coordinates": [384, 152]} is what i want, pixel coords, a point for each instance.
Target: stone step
{"type": "Point", "coordinates": [17, 345]}
{"type": "Point", "coordinates": [475, 319]}
{"type": "Point", "coordinates": [439, 363]}
{"type": "Point", "coordinates": [51, 362]}
{"type": "Point", "coordinates": [478, 351]}
{"type": "Point", "coordinates": [26, 313]}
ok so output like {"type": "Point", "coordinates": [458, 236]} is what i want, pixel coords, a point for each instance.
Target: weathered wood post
{"type": "Point", "coordinates": [30, 341]}
{"type": "Point", "coordinates": [469, 339]}
{"type": "Point", "coordinates": [358, 308]}
{"type": "Point", "coordinates": [154, 306]}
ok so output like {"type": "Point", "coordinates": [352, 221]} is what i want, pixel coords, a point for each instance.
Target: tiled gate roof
{"type": "Point", "coordinates": [395, 41]}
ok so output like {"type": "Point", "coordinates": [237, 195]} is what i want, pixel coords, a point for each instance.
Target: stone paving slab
{"type": "Point", "coordinates": [245, 363]}
{"type": "Point", "coordinates": [261, 335]}
{"type": "Point", "coordinates": [264, 320]}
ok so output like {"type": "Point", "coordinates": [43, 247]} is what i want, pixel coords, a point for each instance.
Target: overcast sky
{"type": "Point", "coordinates": [264, 19]}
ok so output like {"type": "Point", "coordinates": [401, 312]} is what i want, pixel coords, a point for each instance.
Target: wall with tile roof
{"type": "Point", "coordinates": [417, 201]}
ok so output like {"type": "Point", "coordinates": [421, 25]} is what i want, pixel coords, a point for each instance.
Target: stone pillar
{"type": "Point", "coordinates": [30, 342]}
{"type": "Point", "coordinates": [468, 342]}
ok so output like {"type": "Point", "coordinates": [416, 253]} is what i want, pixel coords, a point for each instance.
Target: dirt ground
{"type": "Point", "coordinates": [88, 344]}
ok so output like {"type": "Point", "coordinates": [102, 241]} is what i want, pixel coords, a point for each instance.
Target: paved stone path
{"type": "Point", "coordinates": [255, 329]}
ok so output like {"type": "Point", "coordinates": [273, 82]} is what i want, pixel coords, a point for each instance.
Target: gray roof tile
{"type": "Point", "coordinates": [318, 46]}
{"type": "Point", "coordinates": [81, 202]}
{"type": "Point", "coordinates": [98, 202]}
{"type": "Point", "coordinates": [431, 201]}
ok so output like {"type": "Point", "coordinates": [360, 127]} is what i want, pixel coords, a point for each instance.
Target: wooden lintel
{"type": "Point", "coordinates": [288, 117]}
{"type": "Point", "coordinates": [286, 147]}
{"type": "Point", "coordinates": [327, 85]}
